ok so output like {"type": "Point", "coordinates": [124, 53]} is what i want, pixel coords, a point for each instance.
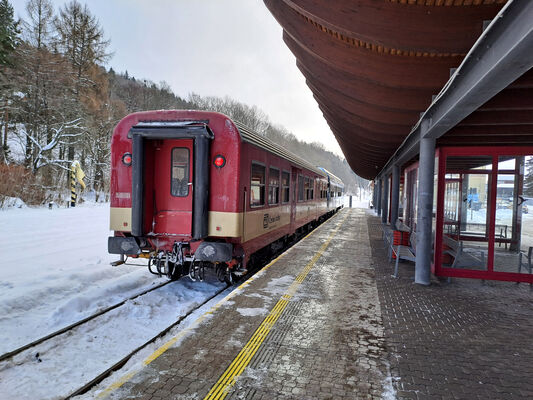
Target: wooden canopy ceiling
{"type": "Point", "coordinates": [374, 65]}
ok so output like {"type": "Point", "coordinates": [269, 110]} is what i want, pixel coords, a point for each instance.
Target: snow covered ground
{"type": "Point", "coordinates": [55, 271]}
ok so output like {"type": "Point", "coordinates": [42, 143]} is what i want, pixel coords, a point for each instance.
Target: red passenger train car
{"type": "Point", "coordinates": [191, 189]}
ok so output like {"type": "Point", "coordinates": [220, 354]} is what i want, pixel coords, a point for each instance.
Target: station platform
{"type": "Point", "coordinates": [326, 320]}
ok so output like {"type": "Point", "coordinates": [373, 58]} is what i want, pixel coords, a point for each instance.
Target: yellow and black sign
{"type": "Point", "coordinates": [76, 174]}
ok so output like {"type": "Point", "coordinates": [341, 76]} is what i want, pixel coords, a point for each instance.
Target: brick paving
{"type": "Point", "coordinates": [327, 344]}
{"type": "Point", "coordinates": [352, 331]}
{"type": "Point", "coordinates": [461, 340]}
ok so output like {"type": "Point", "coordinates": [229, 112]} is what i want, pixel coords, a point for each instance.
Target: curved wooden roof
{"type": "Point", "coordinates": [374, 65]}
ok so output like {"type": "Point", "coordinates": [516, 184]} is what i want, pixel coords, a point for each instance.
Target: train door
{"type": "Point", "coordinates": [294, 194]}
{"type": "Point", "coordinates": [172, 187]}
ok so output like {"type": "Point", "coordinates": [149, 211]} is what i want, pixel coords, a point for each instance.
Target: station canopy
{"type": "Point", "coordinates": [375, 65]}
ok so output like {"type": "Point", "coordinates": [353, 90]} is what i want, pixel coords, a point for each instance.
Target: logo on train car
{"type": "Point", "coordinates": [267, 220]}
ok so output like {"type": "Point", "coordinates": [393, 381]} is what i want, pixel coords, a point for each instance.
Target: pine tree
{"type": "Point", "coordinates": [8, 33]}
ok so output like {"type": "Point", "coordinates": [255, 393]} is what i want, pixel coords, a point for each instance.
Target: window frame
{"type": "Point", "coordinates": [260, 185]}
{"type": "Point", "coordinates": [283, 187]}
{"type": "Point", "coordinates": [270, 168]}
{"type": "Point", "coordinates": [187, 170]}
{"type": "Point", "coordinates": [301, 188]}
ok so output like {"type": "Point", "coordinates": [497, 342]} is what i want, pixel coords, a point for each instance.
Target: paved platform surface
{"type": "Point", "coordinates": [325, 341]}
{"type": "Point", "coordinates": [327, 321]}
{"type": "Point", "coordinates": [463, 340]}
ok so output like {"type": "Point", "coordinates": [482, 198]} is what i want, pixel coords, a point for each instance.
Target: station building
{"type": "Point", "coordinates": [432, 101]}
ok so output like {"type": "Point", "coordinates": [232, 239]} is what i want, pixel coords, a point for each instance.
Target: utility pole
{"type": "Point", "coordinates": [4, 142]}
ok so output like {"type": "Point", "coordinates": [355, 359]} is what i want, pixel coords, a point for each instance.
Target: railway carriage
{"type": "Point", "coordinates": [191, 189]}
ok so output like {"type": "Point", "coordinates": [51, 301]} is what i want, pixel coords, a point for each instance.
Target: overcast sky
{"type": "Point", "coordinates": [211, 47]}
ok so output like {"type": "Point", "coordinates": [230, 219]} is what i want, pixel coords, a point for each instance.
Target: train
{"type": "Point", "coordinates": [191, 190]}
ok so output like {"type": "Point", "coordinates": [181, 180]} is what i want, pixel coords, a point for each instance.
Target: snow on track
{"type": "Point", "coordinates": [68, 361]}
{"type": "Point", "coordinates": [55, 271]}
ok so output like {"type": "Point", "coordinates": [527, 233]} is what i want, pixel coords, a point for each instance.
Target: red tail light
{"type": "Point", "coordinates": [126, 159]}
{"type": "Point", "coordinates": [219, 161]}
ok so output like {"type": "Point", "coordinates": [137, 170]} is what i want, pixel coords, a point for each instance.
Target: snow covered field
{"type": "Point", "coordinates": [55, 271]}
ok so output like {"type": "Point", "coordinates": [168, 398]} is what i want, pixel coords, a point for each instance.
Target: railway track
{"type": "Point", "coordinates": [119, 364]}
{"type": "Point", "coordinates": [61, 331]}
{"type": "Point", "coordinates": [47, 346]}
{"type": "Point", "coordinates": [54, 346]}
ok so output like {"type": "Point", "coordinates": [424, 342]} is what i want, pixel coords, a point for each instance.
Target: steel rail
{"type": "Point", "coordinates": [119, 364]}
{"type": "Point", "coordinates": [19, 350]}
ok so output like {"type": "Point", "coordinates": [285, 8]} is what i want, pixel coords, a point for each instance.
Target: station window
{"type": "Point", "coordinates": [273, 186]}
{"type": "Point", "coordinates": [285, 186]}
{"type": "Point", "coordinates": [301, 192]}
{"type": "Point", "coordinates": [257, 186]}
{"type": "Point", "coordinates": [179, 179]}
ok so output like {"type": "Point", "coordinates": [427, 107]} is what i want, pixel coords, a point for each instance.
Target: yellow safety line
{"type": "Point", "coordinates": [162, 349]}
{"type": "Point", "coordinates": [227, 380]}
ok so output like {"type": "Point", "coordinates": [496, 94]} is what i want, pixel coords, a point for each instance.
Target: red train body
{"type": "Point", "coordinates": [194, 188]}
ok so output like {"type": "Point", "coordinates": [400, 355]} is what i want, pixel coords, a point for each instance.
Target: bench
{"type": "Point", "coordinates": [407, 253]}
{"type": "Point", "coordinates": [479, 230]}
{"type": "Point", "coordinates": [461, 258]}
{"type": "Point", "coordinates": [527, 263]}
{"type": "Point", "coordinates": [387, 235]}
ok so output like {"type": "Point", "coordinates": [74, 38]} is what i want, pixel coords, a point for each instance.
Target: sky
{"type": "Point", "coordinates": [214, 48]}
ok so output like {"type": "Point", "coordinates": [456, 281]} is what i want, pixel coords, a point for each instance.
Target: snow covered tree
{"type": "Point", "coordinates": [81, 40]}
{"type": "Point", "coordinates": [8, 42]}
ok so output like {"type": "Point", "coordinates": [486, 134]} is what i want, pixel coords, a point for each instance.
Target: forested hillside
{"type": "Point", "coordinates": [58, 103]}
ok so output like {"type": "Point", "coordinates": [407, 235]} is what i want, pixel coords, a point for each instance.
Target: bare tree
{"type": "Point", "coordinates": [80, 38]}
{"type": "Point", "coordinates": [39, 28]}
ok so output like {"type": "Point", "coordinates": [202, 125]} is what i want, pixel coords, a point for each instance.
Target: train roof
{"type": "Point", "coordinates": [258, 140]}
{"type": "Point", "coordinates": [332, 177]}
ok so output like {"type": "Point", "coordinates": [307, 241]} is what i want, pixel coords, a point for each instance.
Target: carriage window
{"type": "Point", "coordinates": [257, 186]}
{"type": "Point", "coordinates": [273, 186]}
{"type": "Point", "coordinates": [285, 182]}
{"type": "Point", "coordinates": [179, 184]}
{"type": "Point", "coordinates": [300, 188]}
{"type": "Point", "coordinates": [312, 188]}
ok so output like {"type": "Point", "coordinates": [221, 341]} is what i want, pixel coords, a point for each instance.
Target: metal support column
{"type": "Point", "coordinates": [425, 211]}
{"type": "Point", "coordinates": [395, 195]}
{"type": "Point", "coordinates": [385, 200]}
{"type": "Point", "coordinates": [378, 200]}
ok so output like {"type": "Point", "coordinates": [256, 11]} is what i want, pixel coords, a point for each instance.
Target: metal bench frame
{"type": "Point", "coordinates": [456, 250]}
{"type": "Point", "coordinates": [528, 257]}
{"type": "Point", "coordinates": [407, 253]}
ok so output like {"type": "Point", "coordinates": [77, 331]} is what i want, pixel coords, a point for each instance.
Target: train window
{"type": "Point", "coordinates": [301, 188]}
{"type": "Point", "coordinates": [179, 180]}
{"type": "Point", "coordinates": [273, 186]}
{"type": "Point", "coordinates": [285, 186]}
{"type": "Point", "coordinates": [312, 188]}
{"type": "Point", "coordinates": [257, 186]}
